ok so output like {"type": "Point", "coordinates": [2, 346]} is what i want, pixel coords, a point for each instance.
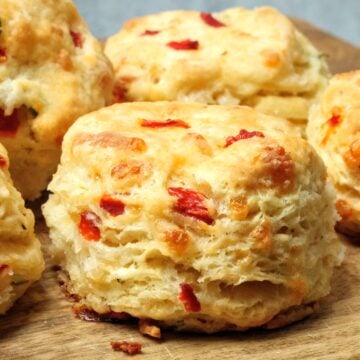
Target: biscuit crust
{"type": "Point", "coordinates": [203, 218]}
{"type": "Point", "coordinates": [52, 70]}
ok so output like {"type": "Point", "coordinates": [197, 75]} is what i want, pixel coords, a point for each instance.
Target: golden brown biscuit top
{"type": "Point", "coordinates": [221, 58]}
{"type": "Point", "coordinates": [50, 64]}
{"type": "Point", "coordinates": [183, 140]}
{"type": "Point", "coordinates": [174, 161]}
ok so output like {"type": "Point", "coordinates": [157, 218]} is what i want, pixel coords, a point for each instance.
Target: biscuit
{"type": "Point", "coordinates": [334, 131]}
{"type": "Point", "coordinates": [21, 261]}
{"type": "Point", "coordinates": [160, 212]}
{"type": "Point", "coordinates": [237, 56]}
{"type": "Point", "coordinates": [52, 70]}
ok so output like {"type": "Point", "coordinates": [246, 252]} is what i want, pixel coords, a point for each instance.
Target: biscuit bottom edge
{"type": "Point", "coordinates": [152, 328]}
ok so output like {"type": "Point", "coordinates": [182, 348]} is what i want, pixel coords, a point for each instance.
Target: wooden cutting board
{"type": "Point", "coordinates": [41, 325]}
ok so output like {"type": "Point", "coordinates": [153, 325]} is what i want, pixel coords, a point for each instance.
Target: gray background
{"type": "Point", "coordinates": [340, 17]}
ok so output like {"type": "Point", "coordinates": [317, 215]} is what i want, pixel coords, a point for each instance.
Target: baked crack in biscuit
{"type": "Point", "coordinates": [52, 70]}
{"type": "Point", "coordinates": [237, 56]}
{"type": "Point", "coordinates": [200, 217]}
{"type": "Point", "coordinates": [21, 261]}
{"type": "Point", "coordinates": [334, 130]}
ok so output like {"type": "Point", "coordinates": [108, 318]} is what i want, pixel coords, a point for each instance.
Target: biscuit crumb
{"type": "Point", "coordinates": [146, 327]}
{"type": "Point", "coordinates": [130, 348]}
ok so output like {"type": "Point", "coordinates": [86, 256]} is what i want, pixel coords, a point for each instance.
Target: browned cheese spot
{"type": "Point", "coordinates": [108, 139]}
{"type": "Point", "coordinates": [64, 60]}
{"type": "Point", "coordinates": [200, 142]}
{"type": "Point", "coordinates": [352, 156]}
{"type": "Point", "coordinates": [131, 172]}
{"type": "Point", "coordinates": [344, 209]}
{"type": "Point", "coordinates": [177, 240]}
{"type": "Point", "coordinates": [299, 289]}
{"type": "Point", "coordinates": [271, 59]}
{"type": "Point", "coordinates": [239, 207]}
{"type": "Point", "coordinates": [280, 167]}
{"type": "Point", "coordinates": [262, 235]}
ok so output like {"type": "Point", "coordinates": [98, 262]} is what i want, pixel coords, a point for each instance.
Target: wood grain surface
{"type": "Point", "coordinates": [42, 326]}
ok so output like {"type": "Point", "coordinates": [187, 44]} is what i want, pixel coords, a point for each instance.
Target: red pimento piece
{"type": "Point", "coordinates": [3, 56]}
{"type": "Point", "coordinates": [119, 94]}
{"type": "Point", "coordinates": [184, 45]}
{"type": "Point", "coordinates": [242, 135]}
{"type": "Point", "coordinates": [167, 123]}
{"type": "Point", "coordinates": [113, 206]}
{"type": "Point", "coordinates": [77, 39]}
{"type": "Point", "coordinates": [88, 226]}
{"type": "Point", "coordinates": [9, 124]}
{"type": "Point", "coordinates": [191, 203]}
{"type": "Point", "coordinates": [188, 298]}
{"type": "Point", "coordinates": [334, 120]}
{"type": "Point", "coordinates": [3, 267]}
{"type": "Point", "coordinates": [150, 32]}
{"type": "Point", "coordinates": [331, 123]}
{"type": "Point", "coordinates": [3, 163]}
{"type": "Point", "coordinates": [211, 21]}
